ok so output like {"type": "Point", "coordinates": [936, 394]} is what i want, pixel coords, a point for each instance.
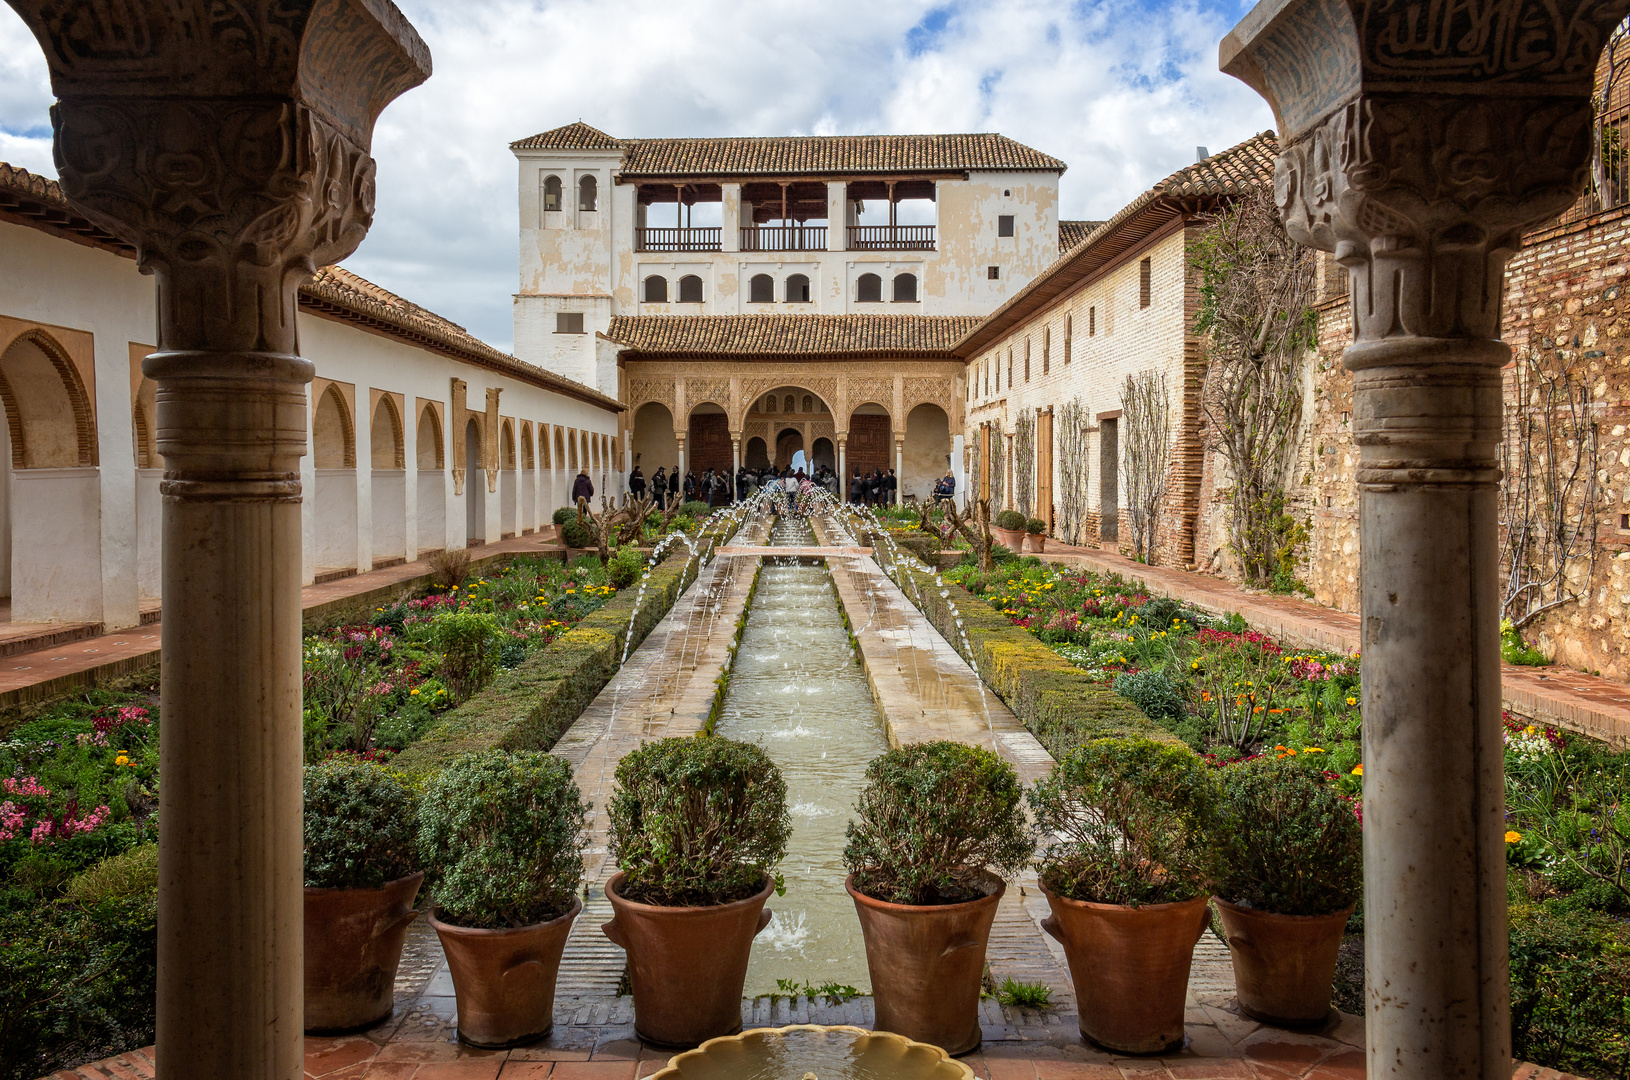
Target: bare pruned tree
{"type": "Point", "coordinates": [1073, 463]}
{"type": "Point", "coordinates": [1146, 417]}
{"type": "Point", "coordinates": [1549, 492]}
{"type": "Point", "coordinates": [1256, 296]}
{"type": "Point", "coordinates": [975, 529]}
{"type": "Point", "coordinates": [1024, 461]}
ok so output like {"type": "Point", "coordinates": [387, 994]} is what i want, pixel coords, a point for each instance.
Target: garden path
{"type": "Point", "coordinates": [1569, 699]}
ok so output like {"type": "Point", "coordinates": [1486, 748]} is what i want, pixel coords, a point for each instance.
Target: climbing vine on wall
{"type": "Point", "coordinates": [1146, 416]}
{"type": "Point", "coordinates": [1550, 496]}
{"type": "Point", "coordinates": [998, 452]}
{"type": "Point", "coordinates": [1070, 436]}
{"type": "Point", "coordinates": [1256, 295]}
{"type": "Point", "coordinates": [1024, 461]}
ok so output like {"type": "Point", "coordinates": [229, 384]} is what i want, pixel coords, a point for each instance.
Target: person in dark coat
{"type": "Point", "coordinates": [690, 486]}
{"type": "Point", "coordinates": [891, 484]}
{"type": "Point", "coordinates": [636, 483]}
{"type": "Point", "coordinates": [744, 481]}
{"type": "Point", "coordinates": [582, 487]}
{"type": "Point", "coordinates": [659, 487]}
{"type": "Point", "coordinates": [857, 488]}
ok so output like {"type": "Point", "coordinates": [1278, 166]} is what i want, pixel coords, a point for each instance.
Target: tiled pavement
{"type": "Point", "coordinates": [1556, 695]}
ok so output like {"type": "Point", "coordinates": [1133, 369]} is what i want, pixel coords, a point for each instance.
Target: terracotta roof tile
{"type": "Point", "coordinates": [782, 335]}
{"type": "Point", "coordinates": [1071, 233]}
{"type": "Point", "coordinates": [1227, 173]}
{"type": "Point", "coordinates": [803, 154]}
{"type": "Point", "coordinates": [334, 291]}
{"type": "Point", "coordinates": [578, 136]}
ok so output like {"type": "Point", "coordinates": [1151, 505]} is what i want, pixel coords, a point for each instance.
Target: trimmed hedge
{"type": "Point", "coordinates": [1054, 699]}
{"type": "Point", "coordinates": [530, 706]}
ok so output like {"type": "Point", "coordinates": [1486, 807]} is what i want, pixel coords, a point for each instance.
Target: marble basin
{"type": "Point", "coordinates": [805, 1051]}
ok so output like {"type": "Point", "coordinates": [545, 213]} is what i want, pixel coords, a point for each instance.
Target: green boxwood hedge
{"type": "Point", "coordinates": [1061, 706]}
{"type": "Point", "coordinates": [530, 706]}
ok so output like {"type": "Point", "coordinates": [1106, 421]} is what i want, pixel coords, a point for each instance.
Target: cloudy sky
{"type": "Point", "coordinates": [1121, 90]}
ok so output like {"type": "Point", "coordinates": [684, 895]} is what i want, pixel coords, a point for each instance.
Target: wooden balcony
{"type": "Point", "coordinates": [891, 238]}
{"type": "Point", "coordinates": [704, 239]}
{"type": "Point", "coordinates": [783, 237]}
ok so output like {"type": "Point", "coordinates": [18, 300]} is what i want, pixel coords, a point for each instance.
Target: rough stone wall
{"type": "Point", "coordinates": [1567, 301]}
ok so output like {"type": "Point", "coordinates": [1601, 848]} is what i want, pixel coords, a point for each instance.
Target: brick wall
{"type": "Point", "coordinates": [1567, 301]}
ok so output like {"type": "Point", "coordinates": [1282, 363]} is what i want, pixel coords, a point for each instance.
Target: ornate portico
{"type": "Point", "coordinates": [727, 390]}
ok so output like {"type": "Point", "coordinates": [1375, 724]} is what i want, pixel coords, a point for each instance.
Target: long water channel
{"type": "Point", "coordinates": [797, 690]}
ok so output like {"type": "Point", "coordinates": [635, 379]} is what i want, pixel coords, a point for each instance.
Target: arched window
{"type": "Point", "coordinates": [690, 289]}
{"type": "Point", "coordinates": [656, 289]}
{"type": "Point", "coordinates": [331, 433]}
{"type": "Point", "coordinates": [427, 444]}
{"type": "Point", "coordinates": [905, 288]}
{"type": "Point", "coordinates": [551, 192]}
{"type": "Point", "coordinates": [761, 290]}
{"type": "Point", "coordinates": [769, 403]}
{"type": "Point", "coordinates": [869, 289]}
{"type": "Point", "coordinates": [797, 289]}
{"type": "Point", "coordinates": [809, 403]}
{"type": "Point", "coordinates": [588, 189]}
{"type": "Point", "coordinates": [790, 403]}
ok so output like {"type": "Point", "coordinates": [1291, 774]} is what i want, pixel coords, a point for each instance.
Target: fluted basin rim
{"type": "Point", "coordinates": [671, 1071]}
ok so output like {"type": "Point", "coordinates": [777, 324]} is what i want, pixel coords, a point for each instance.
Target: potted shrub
{"type": "Point", "coordinates": [935, 819]}
{"type": "Point", "coordinates": [1009, 529]}
{"type": "Point", "coordinates": [1290, 869]}
{"type": "Point", "coordinates": [361, 881]}
{"type": "Point", "coordinates": [1035, 538]}
{"type": "Point", "coordinates": [697, 827]}
{"type": "Point", "coordinates": [501, 834]}
{"type": "Point", "coordinates": [1126, 879]}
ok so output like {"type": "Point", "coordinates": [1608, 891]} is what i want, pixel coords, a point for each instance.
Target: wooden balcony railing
{"type": "Point", "coordinates": [891, 238]}
{"type": "Point", "coordinates": [783, 237]}
{"type": "Point", "coordinates": [704, 239]}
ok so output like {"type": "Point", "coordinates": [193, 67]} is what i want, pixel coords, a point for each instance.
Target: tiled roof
{"type": "Point", "coordinates": [578, 136]}
{"type": "Point", "coordinates": [785, 335]}
{"type": "Point", "coordinates": [1197, 188]}
{"type": "Point", "coordinates": [813, 155]}
{"type": "Point", "coordinates": [335, 291]}
{"type": "Point", "coordinates": [1071, 233]}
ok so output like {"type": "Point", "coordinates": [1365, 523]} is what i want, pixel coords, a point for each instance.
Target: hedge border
{"type": "Point", "coordinates": [1052, 698]}
{"type": "Point", "coordinates": [530, 706]}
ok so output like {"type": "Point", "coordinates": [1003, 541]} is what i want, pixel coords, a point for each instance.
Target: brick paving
{"type": "Point", "coordinates": [1570, 699]}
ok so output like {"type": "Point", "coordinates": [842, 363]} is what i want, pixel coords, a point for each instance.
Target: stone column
{"type": "Point", "coordinates": [735, 454]}
{"type": "Point", "coordinates": [843, 469]}
{"type": "Point", "coordinates": [233, 152]}
{"type": "Point", "coordinates": [837, 229]}
{"type": "Point", "coordinates": [899, 466]}
{"type": "Point", "coordinates": [729, 217]}
{"type": "Point", "coordinates": [1418, 144]}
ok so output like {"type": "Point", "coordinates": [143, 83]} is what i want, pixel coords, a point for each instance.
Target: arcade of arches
{"type": "Point", "coordinates": [844, 414]}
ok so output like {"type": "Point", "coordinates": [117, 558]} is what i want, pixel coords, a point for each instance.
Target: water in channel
{"type": "Point", "coordinates": [797, 691]}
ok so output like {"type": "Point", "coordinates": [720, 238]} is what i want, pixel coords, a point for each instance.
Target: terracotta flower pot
{"type": "Point", "coordinates": [1012, 539]}
{"type": "Point", "coordinates": [505, 979]}
{"type": "Point", "coordinates": [687, 964]}
{"type": "Point", "coordinates": [1130, 967]}
{"type": "Point", "coordinates": [1283, 964]}
{"type": "Point", "coordinates": [1035, 542]}
{"type": "Point", "coordinates": [353, 946]}
{"type": "Point", "coordinates": [926, 963]}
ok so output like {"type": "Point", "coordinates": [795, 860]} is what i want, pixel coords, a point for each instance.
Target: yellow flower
{"type": "Point", "coordinates": [1529, 730]}
{"type": "Point", "coordinates": [121, 760]}
{"type": "Point", "coordinates": [1513, 837]}
{"type": "Point", "coordinates": [1312, 749]}
{"type": "Point", "coordinates": [1352, 701]}
{"type": "Point", "coordinates": [414, 691]}
{"type": "Point", "coordinates": [1358, 770]}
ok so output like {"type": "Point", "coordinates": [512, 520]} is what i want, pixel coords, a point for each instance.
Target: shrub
{"type": "Point", "coordinates": [1289, 843]}
{"type": "Point", "coordinates": [1035, 527]}
{"type": "Point", "coordinates": [1570, 990]}
{"type": "Point", "coordinates": [126, 876]}
{"type": "Point", "coordinates": [699, 820]}
{"type": "Point", "coordinates": [696, 509]}
{"type": "Point", "coordinates": [1010, 519]}
{"type": "Point", "coordinates": [564, 514]}
{"type": "Point", "coordinates": [359, 826]}
{"type": "Point", "coordinates": [76, 983]}
{"type": "Point", "coordinates": [1160, 611]}
{"type": "Point", "coordinates": [575, 534]}
{"type": "Point", "coordinates": [450, 568]}
{"type": "Point", "coordinates": [1514, 650]}
{"type": "Point", "coordinates": [1135, 821]}
{"type": "Point", "coordinates": [934, 819]}
{"type": "Point", "coordinates": [501, 838]}
{"type": "Point", "coordinates": [1156, 692]}
{"type": "Point", "coordinates": [625, 567]}
{"type": "Point", "coordinates": [469, 643]}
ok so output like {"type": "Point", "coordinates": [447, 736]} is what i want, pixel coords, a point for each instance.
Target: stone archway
{"type": "Point", "coordinates": [927, 450]}
{"type": "Point", "coordinates": [788, 441]}
{"type": "Point", "coordinates": [387, 482]}
{"type": "Point", "coordinates": [475, 486]}
{"type": "Point", "coordinates": [430, 452]}
{"type": "Point", "coordinates": [756, 454]}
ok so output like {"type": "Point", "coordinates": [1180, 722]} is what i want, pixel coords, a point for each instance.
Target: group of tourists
{"type": "Point", "coordinates": [876, 488]}
{"type": "Point", "coordinates": [716, 487]}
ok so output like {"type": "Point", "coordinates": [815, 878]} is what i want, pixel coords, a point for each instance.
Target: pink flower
{"type": "Point", "coordinates": [27, 787]}
{"type": "Point", "coordinates": [12, 820]}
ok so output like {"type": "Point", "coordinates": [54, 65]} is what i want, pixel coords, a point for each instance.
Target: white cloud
{"type": "Point", "coordinates": [1121, 92]}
